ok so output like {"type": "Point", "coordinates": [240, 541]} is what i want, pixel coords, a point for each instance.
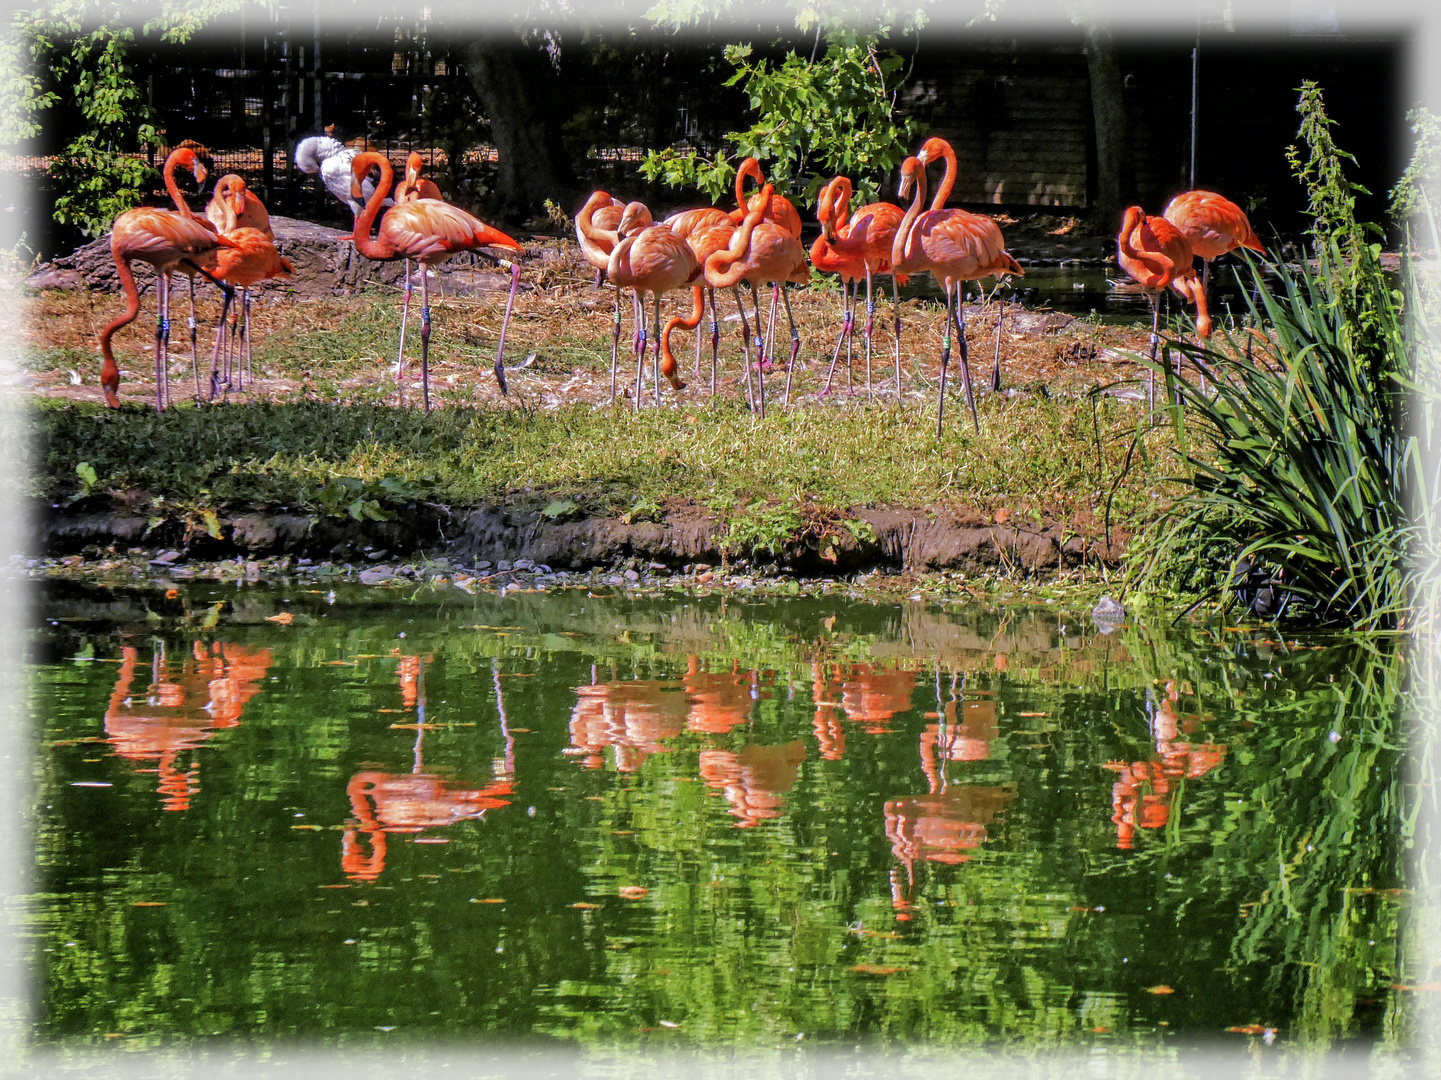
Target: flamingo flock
{"type": "Point", "coordinates": [705, 250]}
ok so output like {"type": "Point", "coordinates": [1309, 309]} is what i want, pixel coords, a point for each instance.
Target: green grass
{"type": "Point", "coordinates": [1037, 458]}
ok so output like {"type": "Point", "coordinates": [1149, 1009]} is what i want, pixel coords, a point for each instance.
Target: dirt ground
{"type": "Point", "coordinates": [332, 331]}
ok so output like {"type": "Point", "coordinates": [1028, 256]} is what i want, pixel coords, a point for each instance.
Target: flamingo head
{"type": "Point", "coordinates": [934, 147]}
{"type": "Point", "coordinates": [633, 218]}
{"type": "Point", "coordinates": [185, 158]}
{"type": "Point", "coordinates": [231, 189]}
{"type": "Point", "coordinates": [909, 168]}
{"type": "Point", "coordinates": [360, 169]}
{"type": "Point", "coordinates": [413, 164]}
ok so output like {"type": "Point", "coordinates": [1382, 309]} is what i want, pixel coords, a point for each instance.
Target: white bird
{"type": "Point", "coordinates": [331, 159]}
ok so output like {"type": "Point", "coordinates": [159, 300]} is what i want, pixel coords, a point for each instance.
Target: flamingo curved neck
{"type": "Point", "coordinates": [749, 167]}
{"type": "Point", "coordinates": [948, 182]}
{"type": "Point", "coordinates": [841, 212]}
{"type": "Point", "coordinates": [723, 261]}
{"type": "Point", "coordinates": [168, 172]}
{"type": "Point", "coordinates": [372, 249]}
{"type": "Point", "coordinates": [903, 232]}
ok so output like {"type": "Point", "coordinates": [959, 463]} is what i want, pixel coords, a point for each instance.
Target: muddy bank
{"type": "Point", "coordinates": [684, 534]}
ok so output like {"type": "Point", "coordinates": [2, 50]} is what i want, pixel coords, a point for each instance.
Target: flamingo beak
{"type": "Point", "coordinates": [200, 173]}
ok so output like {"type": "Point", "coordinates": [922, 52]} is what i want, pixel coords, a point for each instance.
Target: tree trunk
{"type": "Point", "coordinates": [514, 83]}
{"type": "Point", "coordinates": [1114, 190]}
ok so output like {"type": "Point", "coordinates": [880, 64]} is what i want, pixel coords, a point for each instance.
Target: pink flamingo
{"type": "Point", "coordinates": [1157, 254]}
{"type": "Point", "coordinates": [238, 214]}
{"type": "Point", "coordinates": [169, 241]}
{"type": "Point", "coordinates": [953, 246]}
{"type": "Point", "coordinates": [650, 259]}
{"type": "Point", "coordinates": [761, 251]}
{"type": "Point", "coordinates": [595, 228]}
{"type": "Point", "coordinates": [428, 231]}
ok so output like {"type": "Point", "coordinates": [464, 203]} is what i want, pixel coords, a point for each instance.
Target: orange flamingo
{"type": "Point", "coordinates": [595, 228]}
{"type": "Point", "coordinates": [954, 246]}
{"type": "Point", "coordinates": [429, 231]}
{"type": "Point", "coordinates": [691, 226]}
{"type": "Point", "coordinates": [937, 147]}
{"type": "Point", "coordinates": [780, 211]}
{"type": "Point", "coordinates": [705, 242]}
{"type": "Point", "coordinates": [1157, 254]}
{"type": "Point", "coordinates": [866, 239]}
{"type": "Point", "coordinates": [650, 259]}
{"type": "Point", "coordinates": [251, 260]}
{"type": "Point", "coordinates": [413, 187]}
{"type": "Point", "coordinates": [168, 241]}
{"type": "Point", "coordinates": [634, 716]}
{"type": "Point", "coordinates": [1213, 224]}
{"type": "Point", "coordinates": [760, 251]}
{"type": "Point", "coordinates": [240, 215]}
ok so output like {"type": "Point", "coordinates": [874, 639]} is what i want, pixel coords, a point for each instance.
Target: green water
{"type": "Point", "coordinates": [691, 821]}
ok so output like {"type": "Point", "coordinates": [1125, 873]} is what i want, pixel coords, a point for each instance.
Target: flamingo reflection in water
{"type": "Point", "coordinates": [1145, 792]}
{"type": "Point", "coordinates": [754, 779]}
{"type": "Point", "coordinates": [948, 822]}
{"type": "Point", "coordinates": [717, 702]}
{"type": "Point", "coordinates": [182, 709]}
{"type": "Point", "coordinates": [632, 716]}
{"type": "Point", "coordinates": [384, 803]}
{"type": "Point", "coordinates": [871, 695]}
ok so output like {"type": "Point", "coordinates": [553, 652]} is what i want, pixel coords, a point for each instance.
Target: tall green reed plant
{"type": "Point", "coordinates": [1312, 468]}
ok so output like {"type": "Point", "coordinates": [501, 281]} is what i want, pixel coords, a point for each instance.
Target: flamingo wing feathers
{"type": "Point", "coordinates": [1213, 223]}
{"type": "Point", "coordinates": [428, 229]}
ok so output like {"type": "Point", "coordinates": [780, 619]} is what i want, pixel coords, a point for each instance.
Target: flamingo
{"type": "Point", "coordinates": [954, 246]}
{"type": "Point", "coordinates": [650, 258]}
{"type": "Point", "coordinates": [595, 228]}
{"type": "Point", "coordinates": [704, 243]}
{"type": "Point", "coordinates": [868, 237]}
{"type": "Point", "coordinates": [689, 224]}
{"type": "Point", "coordinates": [1214, 225]}
{"type": "Point", "coordinates": [167, 240]}
{"type": "Point", "coordinates": [428, 231]}
{"type": "Point", "coordinates": [1157, 254]}
{"type": "Point", "coordinates": [937, 147]}
{"type": "Point", "coordinates": [252, 259]}
{"type": "Point", "coordinates": [408, 190]}
{"type": "Point", "coordinates": [782, 212]}
{"type": "Point", "coordinates": [235, 209]}
{"type": "Point", "coordinates": [761, 251]}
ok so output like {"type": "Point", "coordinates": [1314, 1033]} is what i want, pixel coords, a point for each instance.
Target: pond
{"type": "Point", "coordinates": [365, 818]}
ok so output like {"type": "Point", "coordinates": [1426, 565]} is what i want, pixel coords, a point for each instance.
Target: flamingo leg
{"type": "Point", "coordinates": [191, 326]}
{"type": "Point", "coordinates": [657, 350]}
{"type": "Point", "coordinates": [761, 348]}
{"type": "Point", "coordinates": [614, 340]}
{"type": "Point", "coordinates": [504, 323]}
{"type": "Point", "coordinates": [228, 292]}
{"type": "Point", "coordinates": [896, 302]}
{"type": "Point", "coordinates": [400, 355]}
{"type": "Point", "coordinates": [945, 363]}
{"type": "Point", "coordinates": [770, 326]}
{"type": "Point", "coordinates": [845, 322]}
{"type": "Point", "coordinates": [162, 333]}
{"type": "Point", "coordinates": [965, 356]}
{"type": "Point", "coordinates": [230, 348]}
{"type": "Point", "coordinates": [698, 339]}
{"type": "Point", "coordinates": [795, 344]}
{"type": "Point", "coordinates": [425, 337]}
{"type": "Point", "coordinates": [245, 334]}
{"type": "Point", "coordinates": [746, 346]}
{"type": "Point", "coordinates": [714, 336]}
{"type": "Point", "coordinates": [1155, 339]}
{"type": "Point", "coordinates": [996, 362]}
{"type": "Point", "coordinates": [870, 321]}
{"type": "Point", "coordinates": [638, 306]}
